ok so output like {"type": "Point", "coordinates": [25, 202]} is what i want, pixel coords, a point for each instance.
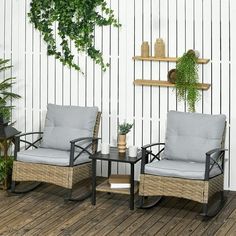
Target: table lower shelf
{"type": "Point", "coordinates": [105, 187]}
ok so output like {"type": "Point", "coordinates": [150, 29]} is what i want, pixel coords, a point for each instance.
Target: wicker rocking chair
{"type": "Point", "coordinates": [190, 164]}
{"type": "Point", "coordinates": [61, 155]}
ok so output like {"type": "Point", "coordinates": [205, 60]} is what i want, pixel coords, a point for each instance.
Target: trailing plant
{"type": "Point", "coordinates": [125, 128]}
{"type": "Point", "coordinates": [187, 79]}
{"type": "Point", "coordinates": [6, 96]}
{"type": "Point", "coordinates": [75, 21]}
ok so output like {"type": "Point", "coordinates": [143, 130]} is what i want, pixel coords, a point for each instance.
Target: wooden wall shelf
{"type": "Point", "coordinates": [163, 83]}
{"type": "Point", "coordinates": [167, 59]}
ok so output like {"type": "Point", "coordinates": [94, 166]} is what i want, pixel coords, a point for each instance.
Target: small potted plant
{"type": "Point", "coordinates": [124, 129]}
{"type": "Point", "coordinates": [187, 79]}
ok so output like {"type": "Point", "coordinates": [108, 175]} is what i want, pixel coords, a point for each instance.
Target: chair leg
{"type": "Point", "coordinates": [211, 212]}
{"type": "Point", "coordinates": [154, 202]}
{"type": "Point", "coordinates": [13, 188]}
{"type": "Point", "coordinates": [204, 209]}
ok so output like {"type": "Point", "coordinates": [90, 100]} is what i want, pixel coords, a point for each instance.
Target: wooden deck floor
{"type": "Point", "coordinates": [44, 212]}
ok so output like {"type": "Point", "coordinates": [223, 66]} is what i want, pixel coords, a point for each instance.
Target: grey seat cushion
{"type": "Point", "coordinates": [65, 123]}
{"type": "Point", "coordinates": [50, 157]}
{"type": "Point", "coordinates": [180, 169]}
{"type": "Point", "coordinates": [190, 135]}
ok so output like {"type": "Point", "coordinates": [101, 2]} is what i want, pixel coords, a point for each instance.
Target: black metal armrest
{"type": "Point", "coordinates": [209, 153]}
{"type": "Point", "coordinates": [151, 145]}
{"type": "Point", "coordinates": [210, 162]}
{"type": "Point", "coordinates": [84, 138]}
{"type": "Point", "coordinates": [30, 133]}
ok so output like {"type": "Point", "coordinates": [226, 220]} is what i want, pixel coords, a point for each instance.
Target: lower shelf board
{"type": "Point", "coordinates": [105, 187]}
{"type": "Point", "coordinates": [163, 83]}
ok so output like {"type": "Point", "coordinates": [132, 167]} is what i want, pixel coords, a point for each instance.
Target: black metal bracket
{"type": "Point", "coordinates": [83, 149]}
{"type": "Point", "coordinates": [17, 140]}
{"type": "Point", "coordinates": [211, 162]}
{"type": "Point", "coordinates": [146, 153]}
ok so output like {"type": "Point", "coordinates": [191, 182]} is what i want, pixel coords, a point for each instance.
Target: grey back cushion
{"type": "Point", "coordinates": [65, 123]}
{"type": "Point", "coordinates": [190, 135]}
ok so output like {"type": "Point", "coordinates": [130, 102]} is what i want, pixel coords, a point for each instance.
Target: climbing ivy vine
{"type": "Point", "coordinates": [75, 21]}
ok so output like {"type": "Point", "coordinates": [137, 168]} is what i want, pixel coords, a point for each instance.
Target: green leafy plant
{"type": "Point", "coordinates": [75, 21]}
{"type": "Point", "coordinates": [5, 168]}
{"type": "Point", "coordinates": [6, 96]}
{"type": "Point", "coordinates": [125, 128]}
{"type": "Point", "coordinates": [187, 79]}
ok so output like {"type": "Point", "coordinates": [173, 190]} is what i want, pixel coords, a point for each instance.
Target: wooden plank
{"type": "Point", "coordinates": [188, 218]}
{"type": "Point", "coordinates": [108, 220]}
{"type": "Point", "coordinates": [15, 217]}
{"type": "Point", "coordinates": [167, 59]}
{"type": "Point", "coordinates": [44, 212]}
{"type": "Point", "coordinates": [163, 83]}
{"type": "Point", "coordinates": [167, 217]}
{"type": "Point", "coordinates": [217, 222]}
{"type": "Point", "coordinates": [177, 218]}
{"type": "Point", "coordinates": [79, 223]}
{"type": "Point", "coordinates": [148, 216]}
{"type": "Point", "coordinates": [198, 227]}
{"type": "Point", "coordinates": [105, 211]}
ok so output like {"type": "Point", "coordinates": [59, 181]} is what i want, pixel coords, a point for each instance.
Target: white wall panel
{"type": "Point", "coordinates": [232, 109]}
{"type": "Point", "coordinates": [205, 25]}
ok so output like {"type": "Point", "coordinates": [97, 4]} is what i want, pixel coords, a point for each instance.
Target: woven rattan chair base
{"type": "Point", "coordinates": [196, 190]}
{"type": "Point", "coordinates": [59, 175]}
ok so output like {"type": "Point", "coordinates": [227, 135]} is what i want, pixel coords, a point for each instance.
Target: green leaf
{"type": "Point", "coordinates": [187, 79]}
{"type": "Point", "coordinates": [76, 21]}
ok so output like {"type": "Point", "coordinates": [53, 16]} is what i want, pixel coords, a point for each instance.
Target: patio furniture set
{"type": "Point", "coordinates": [190, 164]}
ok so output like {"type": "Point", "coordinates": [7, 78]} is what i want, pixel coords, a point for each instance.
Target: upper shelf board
{"type": "Point", "coordinates": [167, 59]}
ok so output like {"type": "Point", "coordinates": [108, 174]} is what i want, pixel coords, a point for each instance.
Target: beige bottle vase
{"type": "Point", "coordinates": [159, 48]}
{"type": "Point", "coordinates": [145, 49]}
{"type": "Point", "coordinates": [122, 143]}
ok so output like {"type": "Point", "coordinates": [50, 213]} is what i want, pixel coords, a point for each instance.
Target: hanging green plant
{"type": "Point", "coordinates": [75, 21]}
{"type": "Point", "coordinates": [187, 79]}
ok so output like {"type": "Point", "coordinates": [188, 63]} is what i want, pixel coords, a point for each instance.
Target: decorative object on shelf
{"type": "Point", "coordinates": [133, 151]}
{"type": "Point", "coordinates": [75, 21]}
{"type": "Point", "coordinates": [119, 181]}
{"type": "Point", "coordinates": [123, 130]}
{"type": "Point", "coordinates": [105, 148]}
{"type": "Point", "coordinates": [145, 49]}
{"type": "Point", "coordinates": [187, 79]}
{"type": "Point", "coordinates": [172, 76]}
{"type": "Point", "coordinates": [159, 48]}
{"type": "Point", "coordinates": [7, 132]}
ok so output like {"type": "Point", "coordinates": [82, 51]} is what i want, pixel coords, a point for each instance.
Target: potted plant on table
{"type": "Point", "coordinates": [187, 79]}
{"type": "Point", "coordinates": [6, 97]}
{"type": "Point", "coordinates": [124, 128]}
